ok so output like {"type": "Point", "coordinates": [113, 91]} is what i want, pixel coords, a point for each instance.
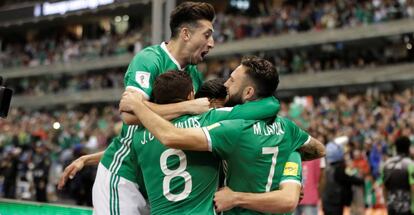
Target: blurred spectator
{"type": "Point", "coordinates": [313, 181]}
{"type": "Point", "coordinates": [398, 179]}
{"type": "Point", "coordinates": [8, 168]}
{"type": "Point", "coordinates": [41, 165]}
{"type": "Point", "coordinates": [338, 189]}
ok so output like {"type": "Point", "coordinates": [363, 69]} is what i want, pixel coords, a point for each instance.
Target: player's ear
{"type": "Point", "coordinates": [185, 33]}
{"type": "Point", "coordinates": [248, 93]}
{"type": "Point", "coordinates": [191, 96]}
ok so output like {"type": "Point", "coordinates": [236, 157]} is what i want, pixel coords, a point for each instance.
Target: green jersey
{"type": "Point", "coordinates": [255, 152]}
{"type": "Point", "coordinates": [141, 73]}
{"type": "Point", "coordinates": [292, 172]}
{"type": "Point", "coordinates": [184, 182]}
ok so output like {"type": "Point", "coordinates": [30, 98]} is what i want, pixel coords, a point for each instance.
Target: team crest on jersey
{"type": "Point", "coordinates": [143, 78]}
{"type": "Point", "coordinates": [291, 168]}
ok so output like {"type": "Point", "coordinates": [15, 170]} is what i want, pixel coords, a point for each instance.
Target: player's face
{"type": "Point", "coordinates": [236, 85]}
{"type": "Point", "coordinates": [201, 41]}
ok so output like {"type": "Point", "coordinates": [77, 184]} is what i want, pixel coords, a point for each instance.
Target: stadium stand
{"type": "Point", "coordinates": [346, 69]}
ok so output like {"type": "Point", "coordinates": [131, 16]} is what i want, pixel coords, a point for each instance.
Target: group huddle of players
{"type": "Point", "coordinates": [181, 151]}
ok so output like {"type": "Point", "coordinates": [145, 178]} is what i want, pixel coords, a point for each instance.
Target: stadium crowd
{"type": "Point", "coordinates": [372, 121]}
{"type": "Point", "coordinates": [64, 49]}
{"type": "Point", "coordinates": [277, 17]}
{"type": "Point", "coordinates": [271, 18]}
{"type": "Point", "coordinates": [57, 137]}
{"type": "Point", "coordinates": [325, 57]}
{"type": "Point", "coordinates": [41, 85]}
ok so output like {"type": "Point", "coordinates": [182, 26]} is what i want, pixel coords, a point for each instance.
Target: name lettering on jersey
{"type": "Point", "coordinates": [143, 78]}
{"type": "Point", "coordinates": [189, 123]}
{"type": "Point", "coordinates": [272, 129]}
{"type": "Point", "coordinates": [147, 136]}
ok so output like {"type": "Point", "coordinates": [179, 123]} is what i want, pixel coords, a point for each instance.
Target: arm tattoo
{"type": "Point", "coordinates": [311, 151]}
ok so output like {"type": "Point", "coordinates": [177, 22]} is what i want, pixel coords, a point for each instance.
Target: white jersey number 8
{"type": "Point", "coordinates": [179, 172]}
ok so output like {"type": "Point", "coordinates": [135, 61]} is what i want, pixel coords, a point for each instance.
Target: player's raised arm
{"type": "Point", "coordinates": [164, 131]}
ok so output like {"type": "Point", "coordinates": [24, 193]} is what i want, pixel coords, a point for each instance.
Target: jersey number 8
{"type": "Point", "coordinates": [179, 172]}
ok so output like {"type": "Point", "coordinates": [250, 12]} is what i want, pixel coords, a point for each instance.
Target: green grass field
{"type": "Point", "coordinates": [12, 207]}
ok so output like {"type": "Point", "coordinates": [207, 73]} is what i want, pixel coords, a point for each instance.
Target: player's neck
{"type": "Point", "coordinates": [177, 52]}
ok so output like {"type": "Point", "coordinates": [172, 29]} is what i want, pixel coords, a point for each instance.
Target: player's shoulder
{"type": "Point", "coordinates": [295, 157]}
{"type": "Point", "coordinates": [280, 118]}
{"type": "Point", "coordinates": [148, 54]}
{"type": "Point", "coordinates": [232, 124]}
{"type": "Point", "coordinates": [285, 121]}
{"type": "Point", "coordinates": [241, 124]}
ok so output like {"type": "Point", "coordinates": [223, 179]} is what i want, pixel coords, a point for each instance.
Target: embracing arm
{"type": "Point", "coordinates": [312, 150]}
{"type": "Point", "coordinates": [170, 111]}
{"type": "Point", "coordinates": [167, 133]}
{"type": "Point", "coordinates": [166, 111]}
{"type": "Point", "coordinates": [284, 200]}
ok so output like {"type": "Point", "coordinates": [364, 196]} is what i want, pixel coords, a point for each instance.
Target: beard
{"type": "Point", "coordinates": [234, 100]}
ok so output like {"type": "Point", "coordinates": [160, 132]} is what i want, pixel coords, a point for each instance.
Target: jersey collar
{"type": "Point", "coordinates": [164, 47]}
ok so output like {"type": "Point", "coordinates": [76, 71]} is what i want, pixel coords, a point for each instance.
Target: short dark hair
{"type": "Point", "coordinates": [212, 89]}
{"type": "Point", "coordinates": [190, 13]}
{"type": "Point", "coordinates": [403, 144]}
{"type": "Point", "coordinates": [263, 74]}
{"type": "Point", "coordinates": [171, 87]}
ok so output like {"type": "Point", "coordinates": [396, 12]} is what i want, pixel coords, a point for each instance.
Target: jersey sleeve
{"type": "Point", "coordinates": [223, 136]}
{"type": "Point", "coordinates": [292, 172]}
{"type": "Point", "coordinates": [142, 72]}
{"type": "Point", "coordinates": [269, 107]}
{"type": "Point", "coordinates": [299, 136]}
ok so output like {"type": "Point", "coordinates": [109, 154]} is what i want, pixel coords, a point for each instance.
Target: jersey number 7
{"type": "Point", "coordinates": [274, 151]}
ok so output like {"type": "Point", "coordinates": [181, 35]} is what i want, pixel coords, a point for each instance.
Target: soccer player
{"type": "Point", "coordinates": [250, 148]}
{"type": "Point", "coordinates": [191, 40]}
{"type": "Point", "coordinates": [215, 91]}
{"type": "Point", "coordinates": [170, 189]}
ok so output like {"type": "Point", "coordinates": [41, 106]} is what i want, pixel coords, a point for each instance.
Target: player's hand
{"type": "Point", "coordinates": [70, 171]}
{"type": "Point", "coordinates": [225, 199]}
{"type": "Point", "coordinates": [130, 99]}
{"type": "Point", "coordinates": [198, 106]}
